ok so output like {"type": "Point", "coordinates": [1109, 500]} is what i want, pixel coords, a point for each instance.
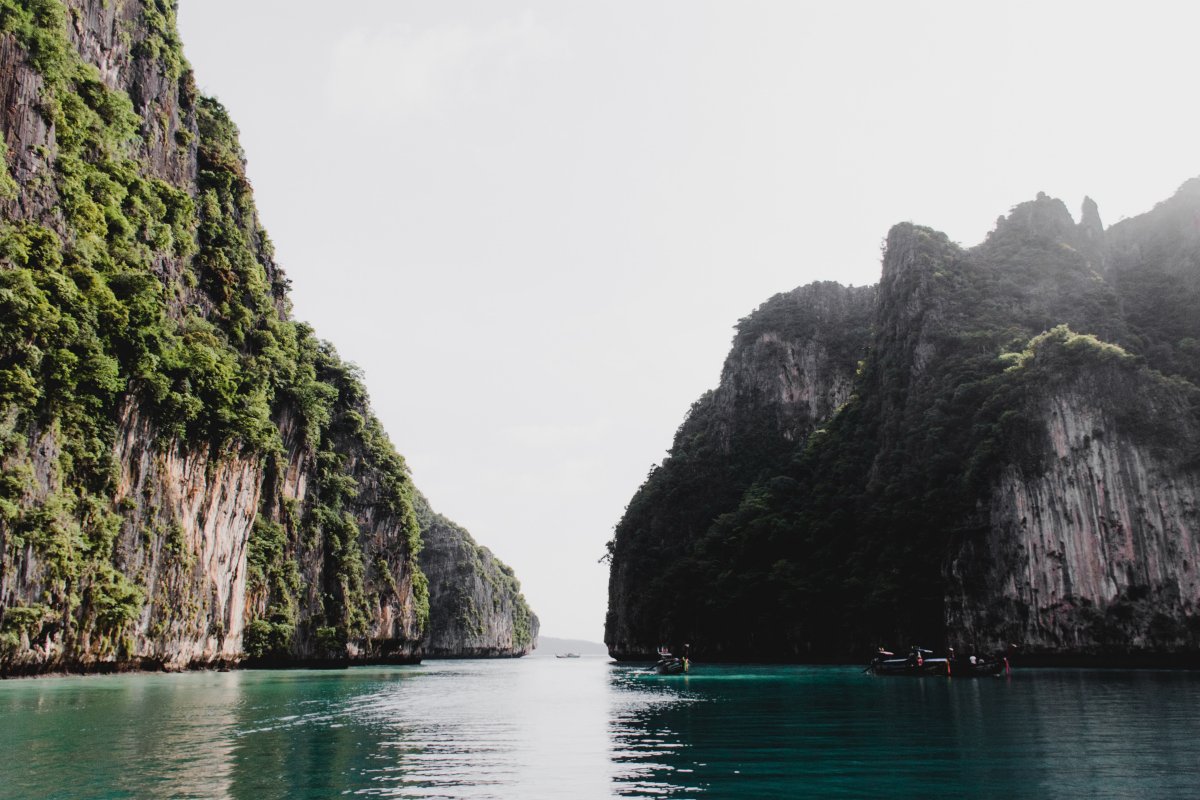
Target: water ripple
{"type": "Point", "coordinates": [542, 728]}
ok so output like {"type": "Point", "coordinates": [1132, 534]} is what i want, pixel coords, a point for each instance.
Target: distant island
{"type": "Point", "coordinates": [994, 445]}
{"type": "Point", "coordinates": [550, 646]}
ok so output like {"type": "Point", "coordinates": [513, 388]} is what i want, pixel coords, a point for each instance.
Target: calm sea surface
{"type": "Point", "coordinates": [584, 728]}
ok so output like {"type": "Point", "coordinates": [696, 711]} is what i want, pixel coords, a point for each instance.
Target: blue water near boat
{"type": "Point", "coordinates": [585, 728]}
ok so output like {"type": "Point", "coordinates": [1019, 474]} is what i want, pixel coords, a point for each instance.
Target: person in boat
{"type": "Point", "coordinates": [915, 657]}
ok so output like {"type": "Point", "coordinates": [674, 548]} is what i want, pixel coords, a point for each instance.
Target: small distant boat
{"type": "Point", "coordinates": [566, 655]}
{"type": "Point", "coordinates": [668, 664]}
{"type": "Point", "coordinates": [918, 662]}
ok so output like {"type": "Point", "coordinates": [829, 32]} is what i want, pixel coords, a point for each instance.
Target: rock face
{"type": "Point", "coordinates": [1008, 451]}
{"type": "Point", "coordinates": [794, 359]}
{"type": "Point", "coordinates": [189, 477]}
{"type": "Point", "coordinates": [1096, 553]}
{"type": "Point", "coordinates": [792, 367]}
{"type": "Point", "coordinates": [475, 601]}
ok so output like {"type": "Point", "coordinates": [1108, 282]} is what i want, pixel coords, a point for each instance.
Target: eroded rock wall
{"type": "Point", "coordinates": [476, 609]}
{"type": "Point", "coordinates": [1095, 552]}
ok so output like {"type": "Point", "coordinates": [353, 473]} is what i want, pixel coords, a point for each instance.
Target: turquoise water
{"type": "Point", "coordinates": [585, 728]}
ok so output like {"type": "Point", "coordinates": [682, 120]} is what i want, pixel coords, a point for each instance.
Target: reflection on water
{"type": "Point", "coordinates": [830, 732]}
{"type": "Point", "coordinates": [584, 728]}
{"type": "Point", "coordinates": [647, 752]}
{"type": "Point", "coordinates": [144, 736]}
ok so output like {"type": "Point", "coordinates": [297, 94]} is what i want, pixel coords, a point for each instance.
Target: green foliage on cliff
{"type": "Point", "coordinates": [8, 187]}
{"type": "Point", "coordinates": [421, 594]}
{"type": "Point", "coordinates": [1060, 347]}
{"type": "Point", "coordinates": [39, 25]}
{"type": "Point", "coordinates": [161, 42]}
{"type": "Point", "coordinates": [337, 491]}
{"type": "Point", "coordinates": [348, 444]}
{"type": "Point", "coordinates": [114, 600]}
{"type": "Point", "coordinates": [506, 587]}
{"type": "Point", "coordinates": [268, 638]}
{"type": "Point", "coordinates": [523, 636]}
{"type": "Point", "coordinates": [84, 319]}
{"type": "Point", "coordinates": [272, 570]}
{"type": "Point", "coordinates": [18, 621]}
{"type": "Point", "coordinates": [130, 292]}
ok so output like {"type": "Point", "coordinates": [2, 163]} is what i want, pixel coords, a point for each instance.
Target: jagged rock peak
{"type": "Point", "coordinates": [1089, 220]}
{"type": "Point", "coordinates": [1045, 217]}
{"type": "Point", "coordinates": [906, 244]}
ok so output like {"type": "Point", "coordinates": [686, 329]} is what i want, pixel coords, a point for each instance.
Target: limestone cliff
{"type": "Point", "coordinates": [792, 366]}
{"type": "Point", "coordinates": [476, 606]}
{"type": "Point", "coordinates": [1094, 553]}
{"type": "Point", "coordinates": [189, 476]}
{"type": "Point", "coordinates": [1015, 459]}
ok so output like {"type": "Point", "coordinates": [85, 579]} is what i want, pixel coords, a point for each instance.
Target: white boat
{"type": "Point", "coordinates": [566, 655]}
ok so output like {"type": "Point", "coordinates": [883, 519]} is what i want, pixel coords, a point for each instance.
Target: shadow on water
{"type": "Point", "coordinates": [830, 731]}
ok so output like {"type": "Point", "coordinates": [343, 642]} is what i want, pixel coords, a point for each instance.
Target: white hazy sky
{"type": "Point", "coordinates": [534, 225]}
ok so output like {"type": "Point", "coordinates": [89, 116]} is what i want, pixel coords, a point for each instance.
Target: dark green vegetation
{"type": "Point", "coordinates": [128, 298]}
{"type": "Point", "coordinates": [327, 530]}
{"type": "Point", "coordinates": [1155, 272]}
{"type": "Point", "coordinates": [752, 544]}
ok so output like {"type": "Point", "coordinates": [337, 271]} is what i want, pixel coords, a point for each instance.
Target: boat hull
{"type": "Point", "coordinates": [938, 666]}
{"type": "Point", "coordinates": [671, 666]}
{"type": "Point", "coordinates": [909, 667]}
